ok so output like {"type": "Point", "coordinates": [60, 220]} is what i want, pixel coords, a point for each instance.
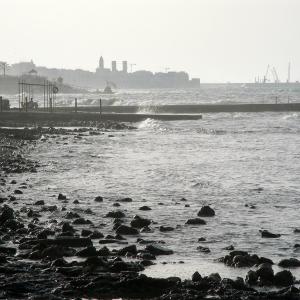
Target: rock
{"type": "Point", "coordinates": [96, 235]}
{"type": "Point", "coordinates": [289, 263]}
{"type": "Point", "coordinates": [215, 277]}
{"type": "Point", "coordinates": [39, 202]}
{"type": "Point", "coordinates": [8, 250]}
{"type": "Point", "coordinates": [145, 208]}
{"type": "Point", "coordinates": [104, 251]}
{"type": "Point", "coordinates": [18, 192]}
{"type": "Point", "coordinates": [86, 232]}
{"type": "Point", "coordinates": [251, 277]}
{"type": "Point", "coordinates": [98, 199]}
{"type": "Point", "coordinates": [158, 250]}
{"type": "Point", "coordinates": [284, 278]}
{"type": "Point", "coordinates": [202, 239]}
{"type": "Point", "coordinates": [116, 204]}
{"type": "Point", "coordinates": [89, 251]}
{"type": "Point", "coordinates": [206, 211]}
{"type": "Point", "coordinates": [76, 202]}
{"type": "Point", "coordinates": [125, 200]}
{"type": "Point", "coordinates": [6, 214]}
{"type": "Point", "coordinates": [166, 228]}
{"type": "Point", "coordinates": [195, 221]}
{"type": "Point", "coordinates": [267, 234]}
{"type": "Point", "coordinates": [72, 215]}
{"type": "Point", "coordinates": [203, 249]}
{"type": "Point", "coordinates": [196, 277]}
{"type": "Point", "coordinates": [115, 214]}
{"type": "Point", "coordinates": [82, 221]}
{"type": "Point", "coordinates": [65, 242]}
{"type": "Point", "coordinates": [62, 197]}
{"type": "Point", "coordinates": [230, 248]}
{"type": "Point", "coordinates": [126, 230]}
{"type": "Point", "coordinates": [139, 222]}
{"type": "Point", "coordinates": [67, 228]}
{"type": "Point", "coordinates": [265, 274]}
{"type": "Point", "coordinates": [129, 249]}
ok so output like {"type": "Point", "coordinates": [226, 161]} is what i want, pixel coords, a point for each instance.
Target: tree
{"type": "Point", "coordinates": [3, 66]}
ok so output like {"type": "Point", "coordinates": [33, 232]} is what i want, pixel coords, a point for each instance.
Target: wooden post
{"type": "Point", "coordinates": [100, 102]}
{"type": "Point", "coordinates": [76, 105]}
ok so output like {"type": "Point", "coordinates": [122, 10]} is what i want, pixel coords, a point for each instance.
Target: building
{"type": "Point", "coordinates": [125, 66]}
{"type": "Point", "coordinates": [101, 63]}
{"type": "Point", "coordinates": [114, 66]}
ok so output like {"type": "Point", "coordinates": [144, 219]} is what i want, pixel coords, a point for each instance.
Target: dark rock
{"type": "Point", "coordinates": [145, 208]}
{"type": "Point", "coordinates": [115, 214]}
{"type": "Point", "coordinates": [166, 228]}
{"type": "Point", "coordinates": [139, 222]}
{"type": "Point", "coordinates": [251, 277]}
{"type": "Point", "coordinates": [129, 249]}
{"type": "Point", "coordinates": [62, 197]}
{"type": "Point", "coordinates": [196, 277]}
{"type": "Point", "coordinates": [72, 215]}
{"type": "Point", "coordinates": [267, 234]}
{"type": "Point", "coordinates": [89, 251]}
{"type": "Point", "coordinates": [202, 239]}
{"type": "Point", "coordinates": [158, 250]}
{"type": "Point", "coordinates": [126, 230]}
{"type": "Point", "coordinates": [104, 251]}
{"type": "Point", "coordinates": [195, 221]}
{"type": "Point", "coordinates": [65, 242]}
{"type": "Point", "coordinates": [86, 232]}
{"type": "Point", "coordinates": [18, 192]}
{"type": "Point", "coordinates": [206, 211]}
{"type": "Point", "coordinates": [203, 249]}
{"type": "Point", "coordinates": [230, 248]}
{"type": "Point", "coordinates": [125, 200]}
{"type": "Point", "coordinates": [39, 202]}
{"type": "Point", "coordinates": [289, 263]}
{"type": "Point", "coordinates": [265, 273]}
{"type": "Point", "coordinates": [6, 214]}
{"type": "Point", "coordinates": [82, 221]}
{"type": "Point", "coordinates": [98, 199]}
{"type": "Point", "coordinates": [67, 228]}
{"type": "Point", "coordinates": [284, 278]}
{"type": "Point", "coordinates": [76, 202]}
{"type": "Point", "coordinates": [8, 250]}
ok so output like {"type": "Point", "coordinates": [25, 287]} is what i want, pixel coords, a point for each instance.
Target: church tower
{"type": "Point", "coordinates": [101, 63]}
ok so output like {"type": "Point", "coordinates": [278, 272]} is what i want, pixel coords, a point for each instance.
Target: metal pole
{"type": "Point", "coordinates": [1, 108]}
{"type": "Point", "coordinates": [19, 87]}
{"type": "Point", "coordinates": [76, 105]}
{"type": "Point", "coordinates": [100, 102]}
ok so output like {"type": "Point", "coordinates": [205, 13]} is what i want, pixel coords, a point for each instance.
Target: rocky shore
{"type": "Point", "coordinates": [45, 257]}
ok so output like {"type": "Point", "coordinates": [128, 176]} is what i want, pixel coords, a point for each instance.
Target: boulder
{"type": "Point", "coordinates": [61, 197]}
{"type": "Point", "coordinates": [203, 249]}
{"type": "Point", "coordinates": [158, 250]}
{"type": "Point", "coordinates": [195, 221]}
{"type": "Point", "coordinates": [82, 221]}
{"type": "Point", "coordinates": [284, 278]}
{"type": "Point", "coordinates": [145, 208]}
{"type": "Point", "coordinates": [115, 214]}
{"type": "Point", "coordinates": [129, 249]}
{"type": "Point", "coordinates": [87, 252]}
{"type": "Point", "coordinates": [268, 234]}
{"type": "Point", "coordinates": [139, 222]}
{"type": "Point", "coordinates": [206, 211]}
{"type": "Point", "coordinates": [126, 230]}
{"type": "Point", "coordinates": [196, 277]}
{"type": "Point", "coordinates": [98, 199]}
{"type": "Point", "coordinates": [289, 263]}
{"type": "Point", "coordinates": [166, 228]}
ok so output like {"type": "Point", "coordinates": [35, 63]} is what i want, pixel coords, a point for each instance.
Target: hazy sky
{"type": "Point", "coordinates": [216, 40]}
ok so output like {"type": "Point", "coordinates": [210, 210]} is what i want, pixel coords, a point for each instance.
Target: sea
{"type": "Point", "coordinates": [246, 166]}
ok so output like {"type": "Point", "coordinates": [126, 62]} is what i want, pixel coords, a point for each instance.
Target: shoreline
{"type": "Point", "coordinates": [102, 273]}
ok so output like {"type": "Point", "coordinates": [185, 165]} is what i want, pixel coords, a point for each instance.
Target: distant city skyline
{"type": "Point", "coordinates": [216, 40]}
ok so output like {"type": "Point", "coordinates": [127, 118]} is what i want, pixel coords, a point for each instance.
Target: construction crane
{"type": "Point", "coordinates": [266, 75]}
{"type": "Point", "coordinates": [275, 75]}
{"type": "Point", "coordinates": [3, 66]}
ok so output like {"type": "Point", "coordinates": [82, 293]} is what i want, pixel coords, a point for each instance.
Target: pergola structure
{"type": "Point", "coordinates": [26, 91]}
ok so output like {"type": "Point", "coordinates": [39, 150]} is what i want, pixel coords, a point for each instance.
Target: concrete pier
{"type": "Point", "coordinates": [15, 116]}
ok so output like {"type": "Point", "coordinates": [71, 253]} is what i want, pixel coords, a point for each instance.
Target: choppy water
{"type": "Point", "coordinates": [220, 160]}
{"type": "Point", "coordinates": [207, 93]}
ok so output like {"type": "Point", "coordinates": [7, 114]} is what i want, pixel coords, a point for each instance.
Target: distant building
{"type": "Point", "coordinates": [101, 63]}
{"type": "Point", "coordinates": [114, 66]}
{"type": "Point", "coordinates": [125, 67]}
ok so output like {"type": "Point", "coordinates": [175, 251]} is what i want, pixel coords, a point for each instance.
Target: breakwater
{"type": "Point", "coordinates": [190, 108]}
{"type": "Point", "coordinates": [86, 116]}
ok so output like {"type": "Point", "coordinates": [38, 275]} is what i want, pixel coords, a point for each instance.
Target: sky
{"type": "Point", "coordinates": [216, 40]}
